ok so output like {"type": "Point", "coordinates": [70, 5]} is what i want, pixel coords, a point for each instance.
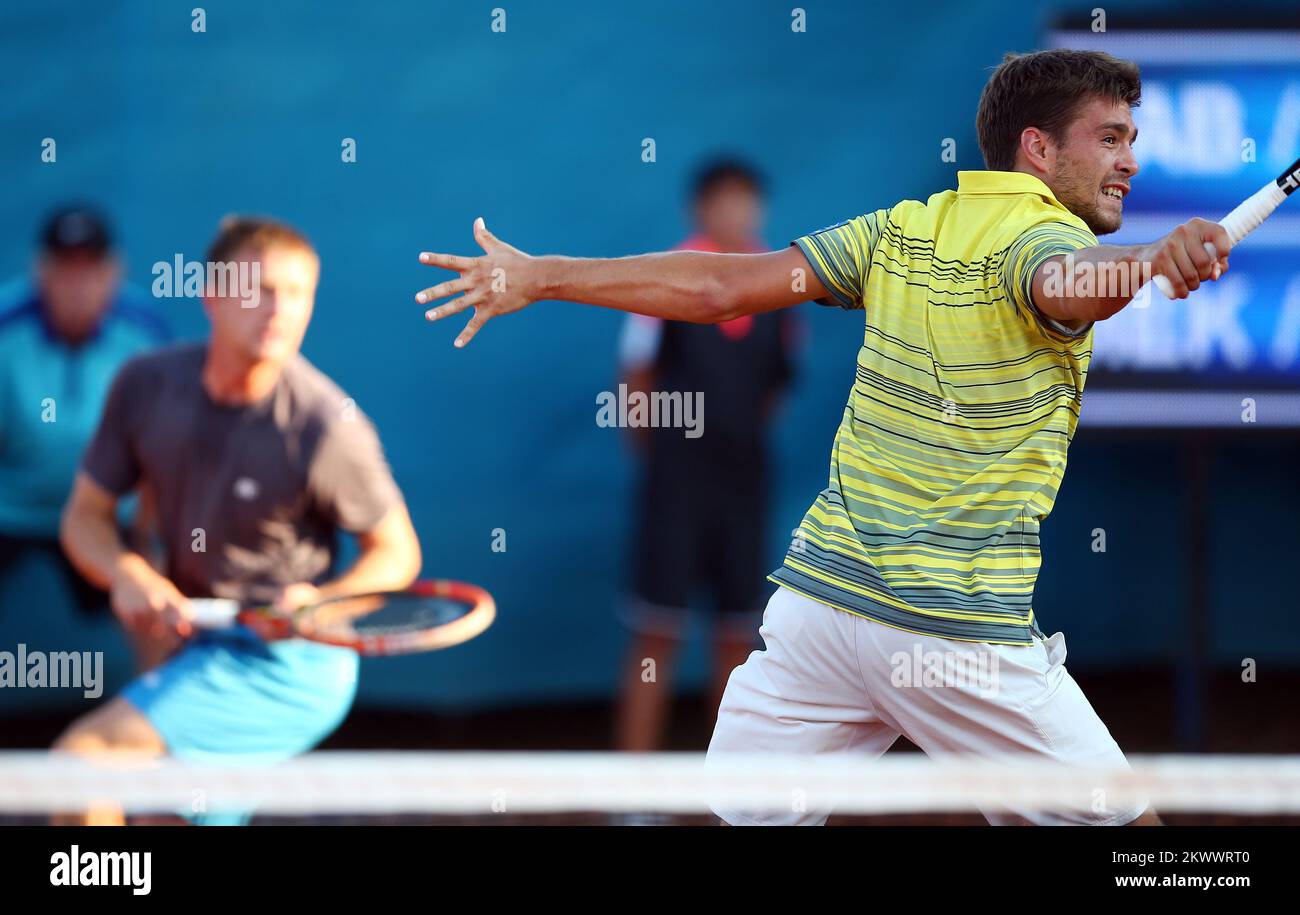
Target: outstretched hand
{"type": "Point", "coordinates": [496, 283]}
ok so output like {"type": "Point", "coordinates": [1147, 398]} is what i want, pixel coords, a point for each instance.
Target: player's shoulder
{"type": "Point", "coordinates": [315, 398]}
{"type": "Point", "coordinates": [897, 213]}
{"type": "Point", "coordinates": [1040, 229]}
{"type": "Point", "coordinates": [907, 208]}
{"type": "Point", "coordinates": [906, 219]}
{"type": "Point", "coordinates": [868, 225]}
{"type": "Point", "coordinates": [1057, 221]}
{"type": "Point", "coordinates": [171, 361]}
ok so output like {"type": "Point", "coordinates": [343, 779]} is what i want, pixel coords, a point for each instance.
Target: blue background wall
{"type": "Point", "coordinates": [539, 130]}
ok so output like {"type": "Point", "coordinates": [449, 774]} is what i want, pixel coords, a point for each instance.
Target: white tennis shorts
{"type": "Point", "coordinates": [831, 682]}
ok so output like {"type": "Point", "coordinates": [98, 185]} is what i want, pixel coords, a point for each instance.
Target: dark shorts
{"type": "Point", "coordinates": [16, 551]}
{"type": "Point", "coordinates": [698, 537]}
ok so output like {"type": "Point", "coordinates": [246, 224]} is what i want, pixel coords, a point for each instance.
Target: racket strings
{"type": "Point", "coordinates": [385, 615]}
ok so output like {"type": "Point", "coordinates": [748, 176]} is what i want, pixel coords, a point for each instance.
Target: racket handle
{"type": "Point", "coordinates": [1243, 220]}
{"type": "Point", "coordinates": [1252, 211]}
{"type": "Point", "coordinates": [213, 612]}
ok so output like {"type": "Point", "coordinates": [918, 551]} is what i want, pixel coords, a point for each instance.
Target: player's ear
{"type": "Point", "coordinates": [1037, 150]}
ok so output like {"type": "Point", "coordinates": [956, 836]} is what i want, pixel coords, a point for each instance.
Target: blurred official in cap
{"type": "Point", "coordinates": [77, 272]}
{"type": "Point", "coordinates": [64, 333]}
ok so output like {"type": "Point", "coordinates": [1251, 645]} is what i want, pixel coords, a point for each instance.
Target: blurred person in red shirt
{"type": "Point", "coordinates": [702, 505]}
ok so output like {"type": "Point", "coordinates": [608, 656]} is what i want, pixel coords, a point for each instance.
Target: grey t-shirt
{"type": "Point", "coordinates": [250, 498]}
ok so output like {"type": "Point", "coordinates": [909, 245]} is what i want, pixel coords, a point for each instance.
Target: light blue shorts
{"type": "Point", "coordinates": [232, 697]}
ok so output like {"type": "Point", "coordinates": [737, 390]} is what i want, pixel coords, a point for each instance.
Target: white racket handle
{"type": "Point", "coordinates": [1252, 211]}
{"type": "Point", "coordinates": [213, 612]}
{"type": "Point", "coordinates": [1239, 223]}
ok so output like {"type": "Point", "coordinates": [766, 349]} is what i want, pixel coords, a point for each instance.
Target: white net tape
{"type": "Point", "coordinates": [485, 783]}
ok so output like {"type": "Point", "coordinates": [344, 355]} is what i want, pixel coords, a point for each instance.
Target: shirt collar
{"type": "Point", "coordinates": [990, 182]}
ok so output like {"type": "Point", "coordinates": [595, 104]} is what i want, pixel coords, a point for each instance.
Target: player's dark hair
{"type": "Point", "coordinates": [256, 232]}
{"type": "Point", "coordinates": [718, 172]}
{"type": "Point", "coordinates": [1045, 90]}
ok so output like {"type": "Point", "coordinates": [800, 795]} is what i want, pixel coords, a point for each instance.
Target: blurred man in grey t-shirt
{"type": "Point", "coordinates": [255, 461]}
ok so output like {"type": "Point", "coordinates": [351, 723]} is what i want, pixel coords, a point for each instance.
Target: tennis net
{"type": "Point", "coordinates": [455, 787]}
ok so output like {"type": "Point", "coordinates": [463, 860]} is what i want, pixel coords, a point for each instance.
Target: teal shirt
{"type": "Point", "coordinates": [51, 396]}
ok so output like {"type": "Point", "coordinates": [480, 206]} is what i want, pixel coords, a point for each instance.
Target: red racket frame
{"type": "Point", "coordinates": [480, 616]}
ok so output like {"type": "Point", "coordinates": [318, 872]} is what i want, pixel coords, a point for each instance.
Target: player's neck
{"type": "Point", "coordinates": [232, 380]}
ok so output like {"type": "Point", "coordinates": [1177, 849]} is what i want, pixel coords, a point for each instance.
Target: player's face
{"type": "Point", "coordinates": [1094, 164]}
{"type": "Point", "coordinates": [272, 329]}
{"type": "Point", "coordinates": [731, 215]}
{"type": "Point", "coordinates": [77, 288]}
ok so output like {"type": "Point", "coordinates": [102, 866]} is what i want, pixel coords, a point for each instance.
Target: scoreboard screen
{"type": "Point", "coordinates": [1220, 116]}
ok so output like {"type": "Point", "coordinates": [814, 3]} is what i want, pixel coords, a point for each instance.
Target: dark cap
{"type": "Point", "coordinates": [76, 229]}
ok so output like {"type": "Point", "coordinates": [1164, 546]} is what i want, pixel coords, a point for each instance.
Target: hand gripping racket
{"type": "Point", "coordinates": [426, 616]}
{"type": "Point", "coordinates": [1249, 214]}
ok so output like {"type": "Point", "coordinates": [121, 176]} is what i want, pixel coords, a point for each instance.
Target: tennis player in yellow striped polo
{"type": "Point", "coordinates": [966, 397]}
{"type": "Point", "coordinates": [904, 604]}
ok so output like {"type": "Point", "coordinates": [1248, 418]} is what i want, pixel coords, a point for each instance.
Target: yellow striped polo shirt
{"type": "Point", "coordinates": [953, 442]}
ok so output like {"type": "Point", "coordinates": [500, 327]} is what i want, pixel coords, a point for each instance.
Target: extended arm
{"type": "Point", "coordinates": [690, 286]}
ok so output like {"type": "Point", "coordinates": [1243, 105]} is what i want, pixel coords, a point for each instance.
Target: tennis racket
{"type": "Point", "coordinates": [1249, 214]}
{"type": "Point", "coordinates": [426, 616]}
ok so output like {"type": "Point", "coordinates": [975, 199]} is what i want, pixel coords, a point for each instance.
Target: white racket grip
{"type": "Point", "coordinates": [1252, 211]}
{"type": "Point", "coordinates": [1243, 220]}
{"type": "Point", "coordinates": [213, 612]}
